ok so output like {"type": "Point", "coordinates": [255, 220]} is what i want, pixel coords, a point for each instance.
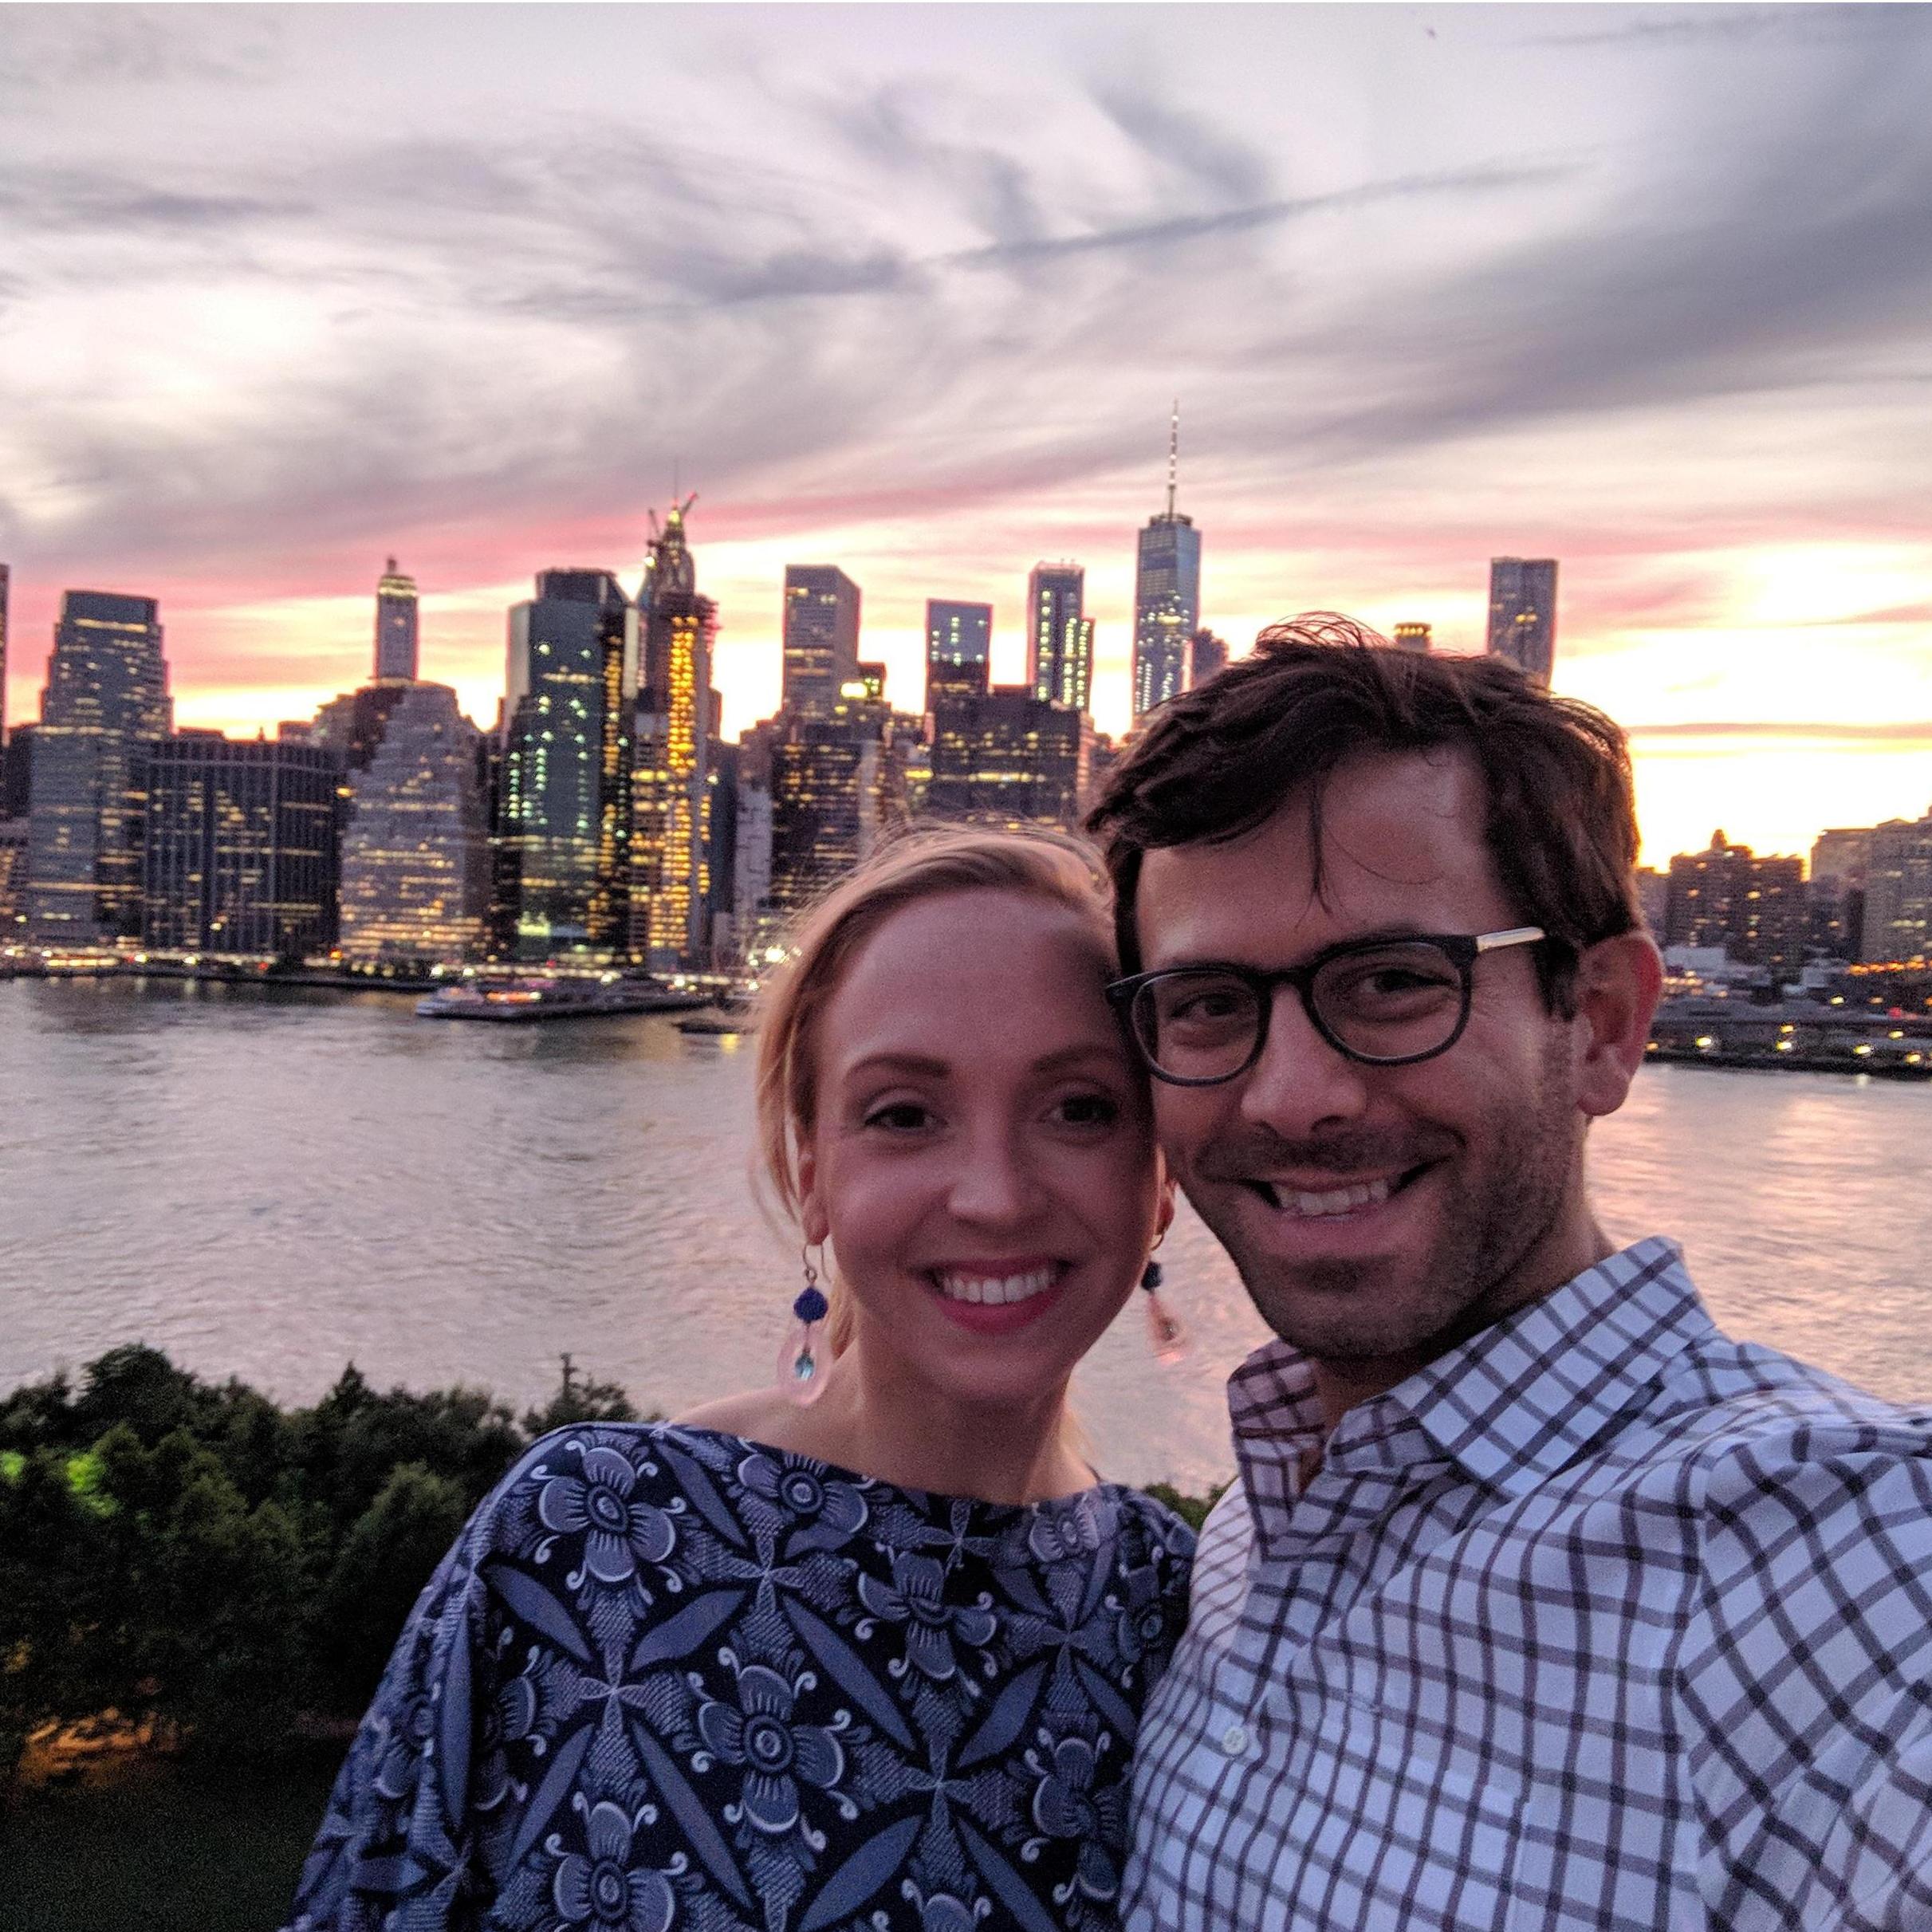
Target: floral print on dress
{"type": "Point", "coordinates": [673, 1681]}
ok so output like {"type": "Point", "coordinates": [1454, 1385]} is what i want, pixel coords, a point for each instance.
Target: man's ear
{"type": "Point", "coordinates": [811, 1218]}
{"type": "Point", "coordinates": [1618, 983]}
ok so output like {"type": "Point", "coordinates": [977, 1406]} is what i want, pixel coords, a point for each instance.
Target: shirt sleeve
{"type": "Point", "coordinates": [1806, 1683]}
{"type": "Point", "coordinates": [393, 1852]}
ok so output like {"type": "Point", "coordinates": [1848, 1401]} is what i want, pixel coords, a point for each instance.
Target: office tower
{"type": "Point", "coordinates": [958, 647]}
{"type": "Point", "coordinates": [1757, 910]}
{"type": "Point", "coordinates": [1898, 921]}
{"type": "Point", "coordinates": [395, 625]}
{"type": "Point", "coordinates": [415, 853]}
{"type": "Point", "coordinates": [837, 788]}
{"type": "Point", "coordinates": [821, 635]}
{"type": "Point", "coordinates": [106, 702]}
{"type": "Point", "coordinates": [1007, 757]}
{"type": "Point", "coordinates": [1059, 639]}
{"type": "Point", "coordinates": [674, 727]}
{"type": "Point", "coordinates": [240, 851]}
{"type": "Point", "coordinates": [13, 880]}
{"type": "Point", "coordinates": [1523, 612]}
{"type": "Point", "coordinates": [5, 585]}
{"type": "Point", "coordinates": [16, 781]}
{"type": "Point", "coordinates": [1166, 593]}
{"type": "Point", "coordinates": [1412, 636]}
{"type": "Point", "coordinates": [1206, 654]}
{"type": "Point", "coordinates": [1839, 861]}
{"type": "Point", "coordinates": [564, 817]}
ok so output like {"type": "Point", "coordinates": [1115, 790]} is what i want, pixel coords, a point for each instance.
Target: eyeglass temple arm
{"type": "Point", "coordinates": [1516, 935]}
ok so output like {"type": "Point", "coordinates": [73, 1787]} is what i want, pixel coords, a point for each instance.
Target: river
{"type": "Point", "coordinates": [270, 1184]}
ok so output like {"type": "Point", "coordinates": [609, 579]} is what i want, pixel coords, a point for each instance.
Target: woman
{"type": "Point", "coordinates": [874, 1661]}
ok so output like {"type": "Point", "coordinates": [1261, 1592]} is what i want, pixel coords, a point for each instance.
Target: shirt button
{"type": "Point", "coordinates": [1234, 1740]}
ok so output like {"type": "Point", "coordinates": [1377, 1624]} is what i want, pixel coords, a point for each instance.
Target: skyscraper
{"type": "Point", "coordinates": [672, 793]}
{"type": "Point", "coordinates": [1166, 594]}
{"type": "Point", "coordinates": [821, 635]}
{"type": "Point", "coordinates": [1412, 636]}
{"type": "Point", "coordinates": [240, 847]}
{"type": "Point", "coordinates": [1206, 654]}
{"type": "Point", "coordinates": [106, 702]}
{"type": "Point", "coordinates": [1059, 639]}
{"type": "Point", "coordinates": [6, 581]}
{"type": "Point", "coordinates": [564, 814]}
{"type": "Point", "coordinates": [415, 856]}
{"type": "Point", "coordinates": [958, 647]}
{"type": "Point", "coordinates": [395, 625]}
{"type": "Point", "coordinates": [837, 788]}
{"type": "Point", "coordinates": [1007, 757]}
{"type": "Point", "coordinates": [1523, 612]}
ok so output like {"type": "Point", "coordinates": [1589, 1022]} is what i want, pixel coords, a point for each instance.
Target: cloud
{"type": "Point", "coordinates": [46, 50]}
{"type": "Point", "coordinates": [1681, 26]}
{"type": "Point", "coordinates": [1911, 735]}
{"type": "Point", "coordinates": [1197, 149]}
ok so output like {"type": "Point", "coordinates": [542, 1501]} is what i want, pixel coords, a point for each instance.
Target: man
{"type": "Point", "coordinates": [1538, 1603]}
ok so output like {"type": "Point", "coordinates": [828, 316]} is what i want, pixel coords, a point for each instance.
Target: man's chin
{"type": "Point", "coordinates": [1340, 1311]}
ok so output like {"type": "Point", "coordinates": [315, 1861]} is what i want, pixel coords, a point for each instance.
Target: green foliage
{"type": "Point", "coordinates": [192, 1555]}
{"type": "Point", "coordinates": [1192, 1510]}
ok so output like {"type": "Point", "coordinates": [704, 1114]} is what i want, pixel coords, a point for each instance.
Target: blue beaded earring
{"type": "Point", "coordinates": [1165, 1336]}
{"type": "Point", "coordinates": [800, 1371]}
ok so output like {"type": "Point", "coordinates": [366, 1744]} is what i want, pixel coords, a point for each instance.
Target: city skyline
{"type": "Point", "coordinates": [1657, 320]}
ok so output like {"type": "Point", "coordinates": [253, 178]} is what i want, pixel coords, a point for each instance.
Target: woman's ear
{"type": "Point", "coordinates": [1163, 1216]}
{"type": "Point", "coordinates": [812, 1222]}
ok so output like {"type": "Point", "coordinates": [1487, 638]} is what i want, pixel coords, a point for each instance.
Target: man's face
{"type": "Point", "coordinates": [1466, 1169]}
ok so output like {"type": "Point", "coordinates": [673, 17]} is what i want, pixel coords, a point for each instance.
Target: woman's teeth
{"type": "Point", "coordinates": [994, 1288]}
{"type": "Point", "coordinates": [1332, 1201]}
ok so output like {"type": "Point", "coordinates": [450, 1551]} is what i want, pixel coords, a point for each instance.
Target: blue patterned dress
{"type": "Point", "coordinates": [672, 1679]}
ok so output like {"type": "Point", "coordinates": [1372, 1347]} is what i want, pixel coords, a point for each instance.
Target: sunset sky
{"type": "Point", "coordinates": [909, 290]}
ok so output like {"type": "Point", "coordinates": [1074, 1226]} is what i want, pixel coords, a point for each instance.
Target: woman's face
{"type": "Point", "coordinates": [982, 1162]}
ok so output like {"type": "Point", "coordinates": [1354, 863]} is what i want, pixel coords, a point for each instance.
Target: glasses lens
{"type": "Point", "coordinates": [1197, 1026]}
{"type": "Point", "coordinates": [1391, 1002]}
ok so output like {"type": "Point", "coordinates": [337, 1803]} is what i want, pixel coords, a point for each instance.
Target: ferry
{"type": "Point", "coordinates": [524, 1001]}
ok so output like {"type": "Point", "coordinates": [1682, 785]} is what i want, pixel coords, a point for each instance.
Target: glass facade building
{"type": "Point", "coordinates": [821, 636]}
{"type": "Point", "coordinates": [1523, 612]}
{"type": "Point", "coordinates": [958, 647]}
{"type": "Point", "coordinates": [1007, 757]}
{"type": "Point", "coordinates": [1059, 638]}
{"type": "Point", "coordinates": [415, 856]}
{"type": "Point", "coordinates": [395, 625]}
{"type": "Point", "coordinates": [564, 815]}
{"type": "Point", "coordinates": [837, 788]}
{"type": "Point", "coordinates": [672, 795]}
{"type": "Point", "coordinates": [1167, 607]}
{"type": "Point", "coordinates": [105, 706]}
{"type": "Point", "coordinates": [240, 851]}
{"type": "Point", "coordinates": [1206, 654]}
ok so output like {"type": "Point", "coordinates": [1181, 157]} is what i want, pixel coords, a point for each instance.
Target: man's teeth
{"type": "Point", "coordinates": [995, 1288]}
{"type": "Point", "coordinates": [1331, 1201]}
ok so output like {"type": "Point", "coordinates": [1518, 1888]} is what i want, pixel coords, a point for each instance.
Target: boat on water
{"type": "Point", "coordinates": [524, 1001]}
{"type": "Point", "coordinates": [717, 1023]}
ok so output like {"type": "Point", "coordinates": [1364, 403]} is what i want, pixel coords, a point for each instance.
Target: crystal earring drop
{"type": "Point", "coordinates": [799, 1371]}
{"type": "Point", "coordinates": [1165, 1334]}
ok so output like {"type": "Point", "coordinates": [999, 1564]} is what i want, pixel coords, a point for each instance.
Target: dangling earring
{"type": "Point", "coordinates": [1165, 1336]}
{"type": "Point", "coordinates": [798, 1364]}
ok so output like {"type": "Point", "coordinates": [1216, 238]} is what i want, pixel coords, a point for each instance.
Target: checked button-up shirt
{"type": "Point", "coordinates": [1601, 1620]}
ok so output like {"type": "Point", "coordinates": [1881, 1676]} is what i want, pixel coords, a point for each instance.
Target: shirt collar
{"type": "Point", "coordinates": [1511, 1406]}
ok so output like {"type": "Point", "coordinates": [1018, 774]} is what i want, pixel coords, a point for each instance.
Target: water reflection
{"type": "Point", "coordinates": [268, 1183]}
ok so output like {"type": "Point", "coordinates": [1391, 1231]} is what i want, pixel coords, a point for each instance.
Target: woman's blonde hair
{"type": "Point", "coordinates": [1055, 867]}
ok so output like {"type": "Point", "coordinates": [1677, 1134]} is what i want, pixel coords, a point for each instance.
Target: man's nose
{"type": "Point", "coordinates": [1301, 1083]}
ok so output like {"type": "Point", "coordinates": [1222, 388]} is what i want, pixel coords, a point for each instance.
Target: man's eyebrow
{"type": "Point", "coordinates": [1376, 936]}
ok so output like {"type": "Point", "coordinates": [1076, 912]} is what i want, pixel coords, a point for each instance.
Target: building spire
{"type": "Point", "coordinates": [1173, 454]}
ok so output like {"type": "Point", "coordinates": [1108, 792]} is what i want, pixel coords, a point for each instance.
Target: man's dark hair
{"type": "Point", "coordinates": [1321, 688]}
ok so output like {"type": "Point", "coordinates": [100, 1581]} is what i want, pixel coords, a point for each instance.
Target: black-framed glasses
{"type": "Point", "coordinates": [1386, 1002]}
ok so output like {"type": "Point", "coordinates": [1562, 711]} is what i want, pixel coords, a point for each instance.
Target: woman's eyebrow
{"type": "Point", "coordinates": [899, 1063]}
